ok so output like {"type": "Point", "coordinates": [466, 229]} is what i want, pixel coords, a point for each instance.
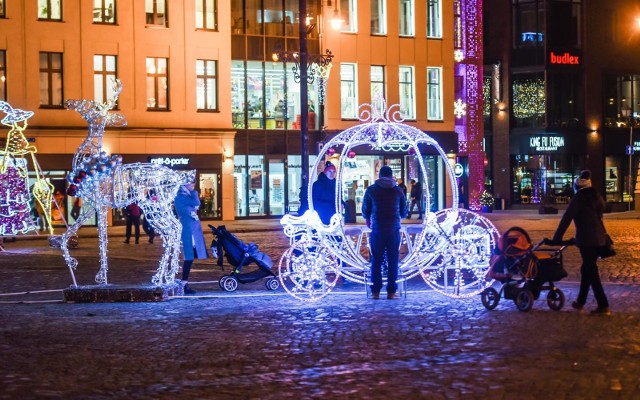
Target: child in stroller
{"type": "Point", "coordinates": [523, 269]}
{"type": "Point", "coordinates": [240, 255]}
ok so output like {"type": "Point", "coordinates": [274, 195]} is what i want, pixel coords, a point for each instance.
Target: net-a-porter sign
{"type": "Point", "coordinates": [173, 162]}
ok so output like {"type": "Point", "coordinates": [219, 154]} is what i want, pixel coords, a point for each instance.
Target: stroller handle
{"type": "Point", "coordinates": [550, 242]}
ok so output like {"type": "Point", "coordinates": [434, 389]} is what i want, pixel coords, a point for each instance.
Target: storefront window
{"type": "Point", "coordinates": [255, 99]}
{"type": "Point", "coordinates": [208, 185]}
{"type": "Point", "coordinates": [275, 96]}
{"type": "Point", "coordinates": [544, 179]}
{"type": "Point", "coordinates": [276, 187]}
{"type": "Point", "coordinates": [238, 90]}
{"type": "Point", "coordinates": [528, 101]}
{"type": "Point", "coordinates": [240, 185]}
{"type": "Point", "coordinates": [256, 185]}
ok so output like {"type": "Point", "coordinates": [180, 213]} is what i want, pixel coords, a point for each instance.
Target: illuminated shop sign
{"type": "Point", "coordinates": [173, 162]}
{"type": "Point", "coordinates": [566, 58]}
{"type": "Point", "coordinates": [540, 143]}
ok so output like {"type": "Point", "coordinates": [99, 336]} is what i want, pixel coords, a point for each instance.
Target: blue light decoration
{"type": "Point", "coordinates": [450, 249]}
{"type": "Point", "coordinates": [104, 182]}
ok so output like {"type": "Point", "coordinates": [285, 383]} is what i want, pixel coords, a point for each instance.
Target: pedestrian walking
{"type": "Point", "coordinates": [323, 193]}
{"type": "Point", "coordinates": [148, 228]}
{"type": "Point", "coordinates": [585, 210]}
{"type": "Point", "coordinates": [402, 186]}
{"type": "Point", "coordinates": [133, 213]}
{"type": "Point", "coordinates": [187, 203]}
{"type": "Point", "coordinates": [383, 206]}
{"type": "Point", "coordinates": [416, 198]}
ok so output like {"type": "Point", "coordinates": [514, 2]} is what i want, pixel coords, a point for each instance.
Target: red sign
{"type": "Point", "coordinates": [564, 59]}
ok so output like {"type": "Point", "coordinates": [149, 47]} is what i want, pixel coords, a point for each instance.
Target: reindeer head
{"type": "Point", "coordinates": [98, 114]}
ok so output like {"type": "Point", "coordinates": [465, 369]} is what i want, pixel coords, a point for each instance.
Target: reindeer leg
{"type": "Point", "coordinates": [101, 277]}
{"type": "Point", "coordinates": [72, 263]}
{"type": "Point", "coordinates": [175, 230]}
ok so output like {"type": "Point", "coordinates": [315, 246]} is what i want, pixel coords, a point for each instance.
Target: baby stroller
{"type": "Point", "coordinates": [240, 255]}
{"type": "Point", "coordinates": [525, 270]}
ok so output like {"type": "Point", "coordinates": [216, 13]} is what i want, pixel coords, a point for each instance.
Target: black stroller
{"type": "Point", "coordinates": [525, 270]}
{"type": "Point", "coordinates": [240, 255]}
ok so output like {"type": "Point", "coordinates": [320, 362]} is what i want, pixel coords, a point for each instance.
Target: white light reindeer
{"type": "Point", "coordinates": [103, 182]}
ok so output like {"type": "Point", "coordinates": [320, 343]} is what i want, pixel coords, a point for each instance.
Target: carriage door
{"type": "Point", "coordinates": [277, 187]}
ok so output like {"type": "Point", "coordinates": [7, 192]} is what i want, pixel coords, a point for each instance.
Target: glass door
{"type": "Point", "coordinates": [277, 187]}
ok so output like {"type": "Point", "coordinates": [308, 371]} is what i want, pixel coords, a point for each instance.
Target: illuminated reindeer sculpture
{"type": "Point", "coordinates": [103, 182]}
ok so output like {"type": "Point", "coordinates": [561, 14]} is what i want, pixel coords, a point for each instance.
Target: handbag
{"type": "Point", "coordinates": [607, 250]}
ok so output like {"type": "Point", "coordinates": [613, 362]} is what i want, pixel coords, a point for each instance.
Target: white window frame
{"type": "Point", "coordinates": [103, 76]}
{"type": "Point", "coordinates": [348, 90]}
{"type": "Point", "coordinates": [349, 9]}
{"type": "Point", "coordinates": [407, 20]}
{"type": "Point", "coordinates": [406, 87]}
{"type": "Point", "coordinates": [434, 19]}
{"type": "Point", "coordinates": [50, 9]}
{"type": "Point", "coordinates": [434, 94]}
{"type": "Point", "coordinates": [375, 83]}
{"type": "Point", "coordinates": [382, 17]}
{"type": "Point", "coordinates": [206, 85]}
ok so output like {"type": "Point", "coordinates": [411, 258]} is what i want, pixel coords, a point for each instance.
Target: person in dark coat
{"type": "Point", "coordinates": [383, 206]}
{"type": "Point", "coordinates": [187, 203]}
{"type": "Point", "coordinates": [585, 210]}
{"type": "Point", "coordinates": [416, 198]}
{"type": "Point", "coordinates": [402, 186]}
{"type": "Point", "coordinates": [133, 218]}
{"type": "Point", "coordinates": [323, 193]}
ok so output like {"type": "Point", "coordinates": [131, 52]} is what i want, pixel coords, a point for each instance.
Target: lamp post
{"type": "Point", "coordinates": [627, 113]}
{"type": "Point", "coordinates": [304, 73]}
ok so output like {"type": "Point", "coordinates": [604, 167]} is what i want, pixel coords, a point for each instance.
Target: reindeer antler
{"type": "Point", "coordinates": [92, 111]}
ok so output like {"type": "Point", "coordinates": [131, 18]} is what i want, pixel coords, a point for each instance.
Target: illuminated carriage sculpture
{"type": "Point", "coordinates": [450, 249]}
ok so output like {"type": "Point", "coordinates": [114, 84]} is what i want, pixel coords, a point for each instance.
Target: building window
{"type": "Point", "coordinates": [622, 100]}
{"type": "Point", "coordinates": [104, 73]}
{"type": "Point", "coordinates": [457, 24]}
{"type": "Point", "coordinates": [2, 10]}
{"type": "Point", "coordinates": [378, 17]}
{"type": "Point", "coordinates": [528, 23]}
{"type": "Point", "coordinates": [3, 76]}
{"type": "Point", "coordinates": [407, 22]}
{"type": "Point", "coordinates": [104, 11]}
{"type": "Point", "coordinates": [50, 9]}
{"type": "Point", "coordinates": [206, 85]}
{"type": "Point", "coordinates": [529, 100]}
{"type": "Point", "coordinates": [378, 86]}
{"type": "Point", "coordinates": [348, 10]}
{"type": "Point", "coordinates": [434, 19]}
{"type": "Point", "coordinates": [434, 94]}
{"type": "Point", "coordinates": [407, 93]}
{"type": "Point", "coordinates": [348, 91]}
{"type": "Point", "coordinates": [51, 80]}
{"type": "Point", "coordinates": [156, 12]}
{"type": "Point", "coordinates": [157, 84]}
{"type": "Point", "coordinates": [206, 15]}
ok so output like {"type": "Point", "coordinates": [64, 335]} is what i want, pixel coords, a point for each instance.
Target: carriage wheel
{"type": "Point", "coordinates": [524, 299]}
{"type": "Point", "coordinates": [308, 271]}
{"type": "Point", "coordinates": [272, 284]}
{"type": "Point", "coordinates": [490, 298]}
{"type": "Point", "coordinates": [230, 284]}
{"type": "Point", "coordinates": [454, 256]}
{"type": "Point", "coordinates": [555, 299]}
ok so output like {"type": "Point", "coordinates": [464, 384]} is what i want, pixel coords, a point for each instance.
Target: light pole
{"type": "Point", "coordinates": [627, 113]}
{"type": "Point", "coordinates": [303, 62]}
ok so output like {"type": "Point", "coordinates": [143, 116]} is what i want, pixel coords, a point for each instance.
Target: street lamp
{"type": "Point", "coordinates": [305, 73]}
{"type": "Point", "coordinates": [627, 113]}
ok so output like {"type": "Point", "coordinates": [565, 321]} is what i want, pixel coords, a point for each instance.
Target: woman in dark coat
{"type": "Point", "coordinates": [585, 210]}
{"type": "Point", "coordinates": [323, 193]}
{"type": "Point", "coordinates": [187, 203]}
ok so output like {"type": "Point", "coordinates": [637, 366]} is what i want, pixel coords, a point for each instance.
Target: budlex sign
{"type": "Point", "coordinates": [563, 58]}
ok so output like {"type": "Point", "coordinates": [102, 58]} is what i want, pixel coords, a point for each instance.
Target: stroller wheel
{"type": "Point", "coordinates": [221, 281]}
{"type": "Point", "coordinates": [524, 299]}
{"type": "Point", "coordinates": [229, 284]}
{"type": "Point", "coordinates": [490, 298]}
{"type": "Point", "coordinates": [272, 284]}
{"type": "Point", "coordinates": [555, 299]}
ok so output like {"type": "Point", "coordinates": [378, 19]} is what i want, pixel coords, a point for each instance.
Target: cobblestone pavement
{"type": "Point", "coordinates": [256, 344]}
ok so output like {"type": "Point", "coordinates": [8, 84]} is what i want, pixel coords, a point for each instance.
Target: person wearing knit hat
{"type": "Point", "coordinates": [323, 193]}
{"type": "Point", "coordinates": [383, 206]}
{"type": "Point", "coordinates": [585, 210]}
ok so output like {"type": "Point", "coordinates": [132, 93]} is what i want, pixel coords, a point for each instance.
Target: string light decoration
{"type": "Point", "coordinates": [528, 98]}
{"type": "Point", "coordinates": [102, 181]}
{"type": "Point", "coordinates": [15, 209]}
{"type": "Point", "coordinates": [459, 108]}
{"type": "Point", "coordinates": [320, 253]}
{"type": "Point", "coordinates": [486, 199]}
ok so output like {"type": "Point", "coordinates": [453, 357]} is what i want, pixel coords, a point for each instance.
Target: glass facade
{"type": "Point", "coordinates": [544, 178]}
